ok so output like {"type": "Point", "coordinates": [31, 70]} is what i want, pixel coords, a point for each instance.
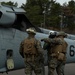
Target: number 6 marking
{"type": "Point", "coordinates": [71, 51]}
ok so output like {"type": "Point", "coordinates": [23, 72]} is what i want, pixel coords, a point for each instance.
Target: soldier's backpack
{"type": "Point", "coordinates": [61, 56]}
{"type": "Point", "coordinates": [30, 46]}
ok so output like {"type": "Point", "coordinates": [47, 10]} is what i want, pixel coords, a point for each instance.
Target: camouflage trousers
{"type": "Point", "coordinates": [53, 64]}
{"type": "Point", "coordinates": [36, 66]}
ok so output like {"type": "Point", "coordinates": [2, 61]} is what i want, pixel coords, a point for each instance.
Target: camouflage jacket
{"type": "Point", "coordinates": [48, 42]}
{"type": "Point", "coordinates": [37, 46]}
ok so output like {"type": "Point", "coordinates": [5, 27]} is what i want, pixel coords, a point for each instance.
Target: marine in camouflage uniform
{"type": "Point", "coordinates": [31, 50]}
{"type": "Point", "coordinates": [56, 54]}
{"type": "Point", "coordinates": [48, 44]}
{"type": "Point", "coordinates": [60, 50]}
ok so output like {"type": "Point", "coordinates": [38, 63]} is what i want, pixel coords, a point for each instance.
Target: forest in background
{"type": "Point", "coordinates": [49, 14]}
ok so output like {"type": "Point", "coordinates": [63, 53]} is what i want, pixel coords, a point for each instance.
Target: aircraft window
{"type": "Point", "coordinates": [22, 23]}
{"type": "Point", "coordinates": [0, 14]}
{"type": "Point", "coordinates": [9, 53]}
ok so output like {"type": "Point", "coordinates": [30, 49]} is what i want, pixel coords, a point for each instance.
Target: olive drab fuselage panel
{"type": "Point", "coordinates": [29, 46]}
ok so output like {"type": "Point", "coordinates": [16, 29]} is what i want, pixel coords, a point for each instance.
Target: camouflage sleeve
{"type": "Point", "coordinates": [65, 47]}
{"type": "Point", "coordinates": [40, 52]}
{"type": "Point", "coordinates": [39, 47]}
{"type": "Point", "coordinates": [21, 49]}
{"type": "Point", "coordinates": [47, 40]}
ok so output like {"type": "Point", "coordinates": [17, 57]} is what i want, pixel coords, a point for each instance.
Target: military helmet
{"type": "Point", "coordinates": [31, 30]}
{"type": "Point", "coordinates": [62, 33]}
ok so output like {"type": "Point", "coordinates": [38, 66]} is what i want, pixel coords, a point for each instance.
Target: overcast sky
{"type": "Point", "coordinates": [24, 1]}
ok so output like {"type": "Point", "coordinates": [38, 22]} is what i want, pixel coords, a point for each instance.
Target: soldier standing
{"type": "Point", "coordinates": [61, 50]}
{"type": "Point", "coordinates": [56, 48]}
{"type": "Point", "coordinates": [48, 44]}
{"type": "Point", "coordinates": [31, 50]}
